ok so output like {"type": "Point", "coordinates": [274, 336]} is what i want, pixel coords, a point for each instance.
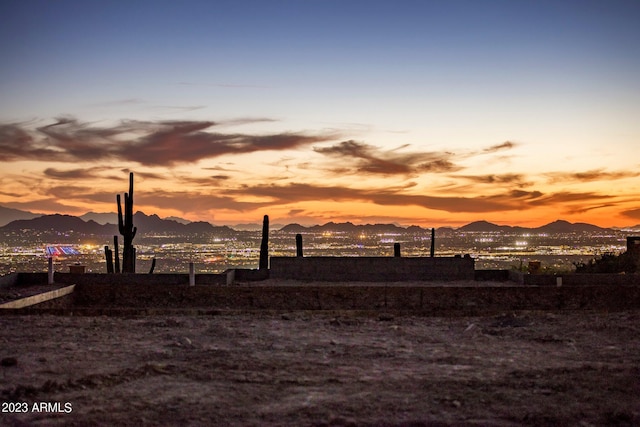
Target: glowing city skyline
{"type": "Point", "coordinates": [426, 113]}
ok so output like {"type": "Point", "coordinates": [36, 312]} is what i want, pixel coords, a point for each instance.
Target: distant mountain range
{"type": "Point", "coordinates": [348, 227]}
{"type": "Point", "coordinates": [558, 226]}
{"type": "Point", "coordinates": [146, 224]}
{"type": "Point", "coordinates": [112, 218]}
{"type": "Point", "coordinates": [7, 215]}
{"type": "Point", "coordinates": [100, 218]}
{"type": "Point", "coordinates": [105, 224]}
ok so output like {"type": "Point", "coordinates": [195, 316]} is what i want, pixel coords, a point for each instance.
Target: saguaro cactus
{"type": "Point", "coordinates": [264, 245]}
{"type": "Point", "coordinates": [116, 254]}
{"type": "Point", "coordinates": [108, 254]}
{"type": "Point", "coordinates": [127, 230]}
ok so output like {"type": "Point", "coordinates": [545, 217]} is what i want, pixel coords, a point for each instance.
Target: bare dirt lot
{"type": "Point", "coordinates": [304, 368]}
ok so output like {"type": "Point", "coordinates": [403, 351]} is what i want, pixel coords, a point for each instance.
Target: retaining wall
{"type": "Point", "coordinates": [7, 280]}
{"type": "Point", "coordinates": [243, 275]}
{"type": "Point", "coordinates": [492, 275]}
{"type": "Point", "coordinates": [312, 273]}
{"type": "Point", "coordinates": [575, 279]}
{"type": "Point", "coordinates": [372, 269]}
{"type": "Point", "coordinates": [424, 299]}
{"type": "Point", "coordinates": [122, 279]}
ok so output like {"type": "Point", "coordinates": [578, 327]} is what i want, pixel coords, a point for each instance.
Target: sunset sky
{"type": "Point", "coordinates": [431, 113]}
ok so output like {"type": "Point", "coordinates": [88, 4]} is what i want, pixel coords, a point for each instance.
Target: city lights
{"type": "Point", "coordinates": [215, 253]}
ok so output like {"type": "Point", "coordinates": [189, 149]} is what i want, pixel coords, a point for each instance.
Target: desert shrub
{"type": "Point", "coordinates": [608, 263]}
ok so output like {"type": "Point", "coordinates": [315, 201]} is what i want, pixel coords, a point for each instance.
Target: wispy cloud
{"type": "Point", "coordinates": [306, 192]}
{"type": "Point", "coordinates": [632, 213]}
{"type": "Point", "coordinates": [506, 201]}
{"type": "Point", "coordinates": [97, 172]}
{"type": "Point", "coordinates": [507, 145]}
{"type": "Point", "coordinates": [119, 102]}
{"type": "Point", "coordinates": [509, 178]}
{"type": "Point", "coordinates": [181, 108]}
{"type": "Point", "coordinates": [164, 143]}
{"type": "Point", "coordinates": [74, 174]}
{"type": "Point", "coordinates": [564, 197]}
{"type": "Point", "coordinates": [581, 208]}
{"type": "Point", "coordinates": [245, 121]}
{"type": "Point", "coordinates": [82, 193]}
{"type": "Point", "coordinates": [590, 176]}
{"type": "Point", "coordinates": [368, 159]}
{"type": "Point", "coordinates": [16, 143]}
{"type": "Point", "coordinates": [195, 202]}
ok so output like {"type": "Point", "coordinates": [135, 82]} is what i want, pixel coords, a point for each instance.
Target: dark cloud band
{"type": "Point", "coordinates": [166, 143]}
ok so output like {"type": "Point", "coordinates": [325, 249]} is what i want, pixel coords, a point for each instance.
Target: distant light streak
{"type": "Point", "coordinates": [61, 250]}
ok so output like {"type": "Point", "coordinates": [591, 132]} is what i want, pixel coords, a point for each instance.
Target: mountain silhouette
{"type": "Point", "coordinates": [349, 227]}
{"type": "Point", "coordinates": [153, 224]}
{"type": "Point", "coordinates": [294, 228]}
{"type": "Point", "coordinates": [147, 224]}
{"type": "Point", "coordinates": [484, 226]}
{"type": "Point", "coordinates": [60, 223]}
{"type": "Point", "coordinates": [100, 218]}
{"type": "Point", "coordinates": [8, 214]}
{"type": "Point", "coordinates": [558, 226]}
{"type": "Point", "coordinates": [561, 226]}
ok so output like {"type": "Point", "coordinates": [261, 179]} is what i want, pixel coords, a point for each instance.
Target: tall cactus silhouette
{"type": "Point", "coordinates": [116, 254]}
{"type": "Point", "coordinates": [127, 230]}
{"type": "Point", "coordinates": [108, 254]}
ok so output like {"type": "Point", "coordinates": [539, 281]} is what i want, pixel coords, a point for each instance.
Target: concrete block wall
{"type": "Point", "coordinates": [601, 279]}
{"type": "Point", "coordinates": [248, 275]}
{"type": "Point", "coordinates": [424, 299]}
{"type": "Point", "coordinates": [372, 269]}
{"type": "Point", "coordinates": [7, 280]}
{"type": "Point", "coordinates": [141, 279]}
{"type": "Point", "coordinates": [492, 275]}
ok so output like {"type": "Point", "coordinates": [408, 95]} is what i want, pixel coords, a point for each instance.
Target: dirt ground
{"type": "Point", "coordinates": [321, 369]}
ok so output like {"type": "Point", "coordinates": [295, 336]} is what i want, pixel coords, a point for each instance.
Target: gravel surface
{"type": "Point", "coordinates": [321, 369]}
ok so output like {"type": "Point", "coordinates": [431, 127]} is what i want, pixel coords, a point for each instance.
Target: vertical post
{"type": "Point", "coordinates": [396, 250]}
{"type": "Point", "coordinates": [192, 275]}
{"type": "Point", "coordinates": [299, 245]}
{"type": "Point", "coordinates": [50, 275]}
{"type": "Point", "coordinates": [432, 252]}
{"type": "Point", "coordinates": [264, 245]}
{"type": "Point", "coordinates": [231, 276]}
